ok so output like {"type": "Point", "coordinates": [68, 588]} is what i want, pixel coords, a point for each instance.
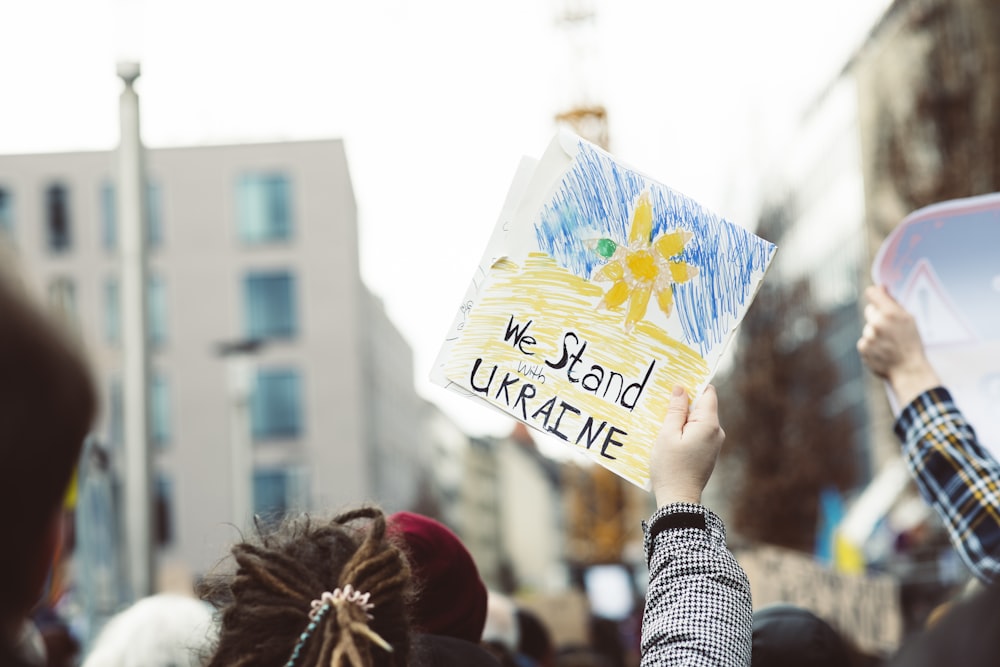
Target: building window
{"type": "Point", "coordinates": [153, 218]}
{"type": "Point", "coordinates": [57, 222]}
{"type": "Point", "coordinates": [116, 424]}
{"type": "Point", "coordinates": [62, 299]}
{"type": "Point", "coordinates": [276, 405]}
{"type": "Point", "coordinates": [270, 494]}
{"type": "Point", "coordinates": [163, 503]}
{"type": "Point", "coordinates": [264, 208]}
{"type": "Point", "coordinates": [156, 310]}
{"type": "Point", "coordinates": [154, 215]}
{"type": "Point", "coordinates": [112, 311]}
{"type": "Point", "coordinates": [159, 414]}
{"type": "Point", "coordinates": [6, 212]}
{"type": "Point", "coordinates": [269, 305]}
{"type": "Point", "coordinates": [109, 216]}
{"type": "Point", "coordinates": [276, 491]}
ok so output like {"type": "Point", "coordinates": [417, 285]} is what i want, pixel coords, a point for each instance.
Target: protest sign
{"type": "Point", "coordinates": [942, 263]}
{"type": "Point", "coordinates": [599, 291]}
{"type": "Point", "coordinates": [865, 609]}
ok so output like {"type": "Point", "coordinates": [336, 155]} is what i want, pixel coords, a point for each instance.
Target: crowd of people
{"type": "Point", "coordinates": [366, 588]}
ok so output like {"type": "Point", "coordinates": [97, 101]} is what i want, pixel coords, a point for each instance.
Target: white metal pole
{"type": "Point", "coordinates": [135, 356]}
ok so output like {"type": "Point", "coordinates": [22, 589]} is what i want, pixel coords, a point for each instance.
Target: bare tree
{"type": "Point", "coordinates": [783, 435]}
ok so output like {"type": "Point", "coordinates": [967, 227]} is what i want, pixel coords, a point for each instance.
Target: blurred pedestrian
{"type": "Point", "coordinates": [954, 473]}
{"type": "Point", "coordinates": [785, 635]}
{"type": "Point", "coordinates": [965, 635]}
{"type": "Point", "coordinates": [310, 593]}
{"type": "Point", "coordinates": [450, 597]}
{"type": "Point", "coordinates": [581, 656]}
{"type": "Point", "coordinates": [698, 608]}
{"type": "Point", "coordinates": [162, 630]}
{"type": "Point", "coordinates": [47, 404]}
{"type": "Point", "coordinates": [534, 644]}
{"type": "Point", "coordinates": [500, 633]}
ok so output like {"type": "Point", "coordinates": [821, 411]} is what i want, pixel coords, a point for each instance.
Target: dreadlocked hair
{"type": "Point", "coordinates": [265, 604]}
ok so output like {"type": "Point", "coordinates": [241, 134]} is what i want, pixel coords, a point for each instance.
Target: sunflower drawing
{"type": "Point", "coordinates": [643, 267]}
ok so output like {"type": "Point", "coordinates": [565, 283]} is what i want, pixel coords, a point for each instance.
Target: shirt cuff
{"type": "Point", "coordinates": [914, 414]}
{"type": "Point", "coordinates": [663, 529]}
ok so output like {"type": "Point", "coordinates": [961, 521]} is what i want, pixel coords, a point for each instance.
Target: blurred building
{"type": "Point", "coordinates": [910, 120]}
{"type": "Point", "coordinates": [502, 497]}
{"type": "Point", "coordinates": [465, 492]}
{"type": "Point", "coordinates": [818, 222]}
{"type": "Point", "coordinates": [246, 242]}
{"type": "Point", "coordinates": [531, 516]}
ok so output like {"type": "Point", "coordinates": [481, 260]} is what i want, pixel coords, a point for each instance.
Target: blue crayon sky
{"type": "Point", "coordinates": [597, 197]}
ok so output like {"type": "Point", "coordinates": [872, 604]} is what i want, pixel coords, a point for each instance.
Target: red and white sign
{"type": "Point", "coordinates": [942, 263]}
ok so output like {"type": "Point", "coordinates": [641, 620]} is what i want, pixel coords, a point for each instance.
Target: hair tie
{"type": "Point", "coordinates": [321, 606]}
{"type": "Point", "coordinates": [348, 595]}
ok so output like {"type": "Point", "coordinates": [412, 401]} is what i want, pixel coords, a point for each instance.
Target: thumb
{"type": "Point", "coordinates": [708, 404]}
{"type": "Point", "coordinates": [677, 413]}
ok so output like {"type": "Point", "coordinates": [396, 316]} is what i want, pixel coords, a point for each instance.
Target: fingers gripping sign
{"type": "Point", "coordinates": [891, 347]}
{"type": "Point", "coordinates": [686, 448]}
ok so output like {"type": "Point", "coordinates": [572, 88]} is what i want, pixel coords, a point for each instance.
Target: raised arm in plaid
{"type": "Point", "coordinates": [959, 478]}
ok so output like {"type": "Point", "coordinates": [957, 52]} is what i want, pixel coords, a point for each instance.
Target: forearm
{"type": "Point", "coordinates": [956, 476]}
{"type": "Point", "coordinates": [909, 382]}
{"type": "Point", "coordinates": [698, 607]}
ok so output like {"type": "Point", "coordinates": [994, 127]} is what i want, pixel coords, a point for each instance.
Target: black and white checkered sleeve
{"type": "Point", "coordinates": [698, 609]}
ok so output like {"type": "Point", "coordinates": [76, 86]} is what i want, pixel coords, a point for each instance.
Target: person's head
{"type": "Point", "coordinates": [164, 630]}
{"type": "Point", "coordinates": [788, 636]}
{"type": "Point", "coordinates": [964, 635]}
{"type": "Point", "coordinates": [47, 404]}
{"type": "Point", "coordinates": [581, 656]}
{"type": "Point", "coordinates": [534, 638]}
{"type": "Point", "coordinates": [311, 593]}
{"type": "Point", "coordinates": [450, 595]}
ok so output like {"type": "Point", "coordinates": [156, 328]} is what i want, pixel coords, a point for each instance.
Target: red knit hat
{"type": "Point", "coordinates": [451, 597]}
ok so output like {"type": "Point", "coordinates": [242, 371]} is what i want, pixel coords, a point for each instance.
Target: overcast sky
{"type": "Point", "coordinates": [436, 101]}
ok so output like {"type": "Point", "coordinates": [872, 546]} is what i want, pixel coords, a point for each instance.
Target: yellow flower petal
{"type": "Point", "coordinates": [682, 272]}
{"type": "Point", "coordinates": [642, 221]}
{"type": "Point", "coordinates": [642, 265]}
{"type": "Point", "coordinates": [610, 271]}
{"type": "Point", "coordinates": [616, 295]}
{"type": "Point", "coordinates": [665, 298]}
{"type": "Point", "coordinates": [637, 303]}
{"type": "Point", "coordinates": [672, 243]}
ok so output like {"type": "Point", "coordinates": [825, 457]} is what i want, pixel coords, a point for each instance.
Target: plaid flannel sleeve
{"type": "Point", "coordinates": [698, 608]}
{"type": "Point", "coordinates": [956, 475]}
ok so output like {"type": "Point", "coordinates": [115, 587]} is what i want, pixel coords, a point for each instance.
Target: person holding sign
{"type": "Point", "coordinates": [954, 473]}
{"type": "Point", "coordinates": [698, 607]}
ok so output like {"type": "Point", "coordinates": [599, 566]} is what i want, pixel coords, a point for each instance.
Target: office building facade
{"type": "Point", "coordinates": [252, 242]}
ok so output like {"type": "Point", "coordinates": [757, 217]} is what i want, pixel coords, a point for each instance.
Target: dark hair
{"type": "Point", "coordinates": [965, 635]}
{"type": "Point", "coordinates": [535, 640]}
{"type": "Point", "coordinates": [786, 635]}
{"type": "Point", "coordinates": [47, 404]}
{"type": "Point", "coordinates": [265, 604]}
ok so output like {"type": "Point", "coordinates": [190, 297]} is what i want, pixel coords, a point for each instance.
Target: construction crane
{"type": "Point", "coordinates": [582, 112]}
